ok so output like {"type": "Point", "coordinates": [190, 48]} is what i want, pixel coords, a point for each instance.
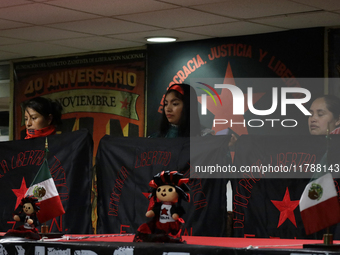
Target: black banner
{"type": "Point", "coordinates": [269, 207]}
{"type": "Point", "coordinates": [125, 167]}
{"type": "Point", "coordinates": [70, 162]}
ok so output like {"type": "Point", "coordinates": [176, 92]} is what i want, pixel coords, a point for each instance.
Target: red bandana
{"type": "Point", "coordinates": [178, 88]}
{"type": "Point", "coordinates": [49, 130]}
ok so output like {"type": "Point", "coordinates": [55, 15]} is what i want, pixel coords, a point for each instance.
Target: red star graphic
{"type": "Point", "coordinates": [226, 110]}
{"type": "Point", "coordinates": [164, 211]}
{"type": "Point", "coordinates": [124, 104]}
{"type": "Point", "coordinates": [286, 208]}
{"type": "Point", "coordinates": [20, 193]}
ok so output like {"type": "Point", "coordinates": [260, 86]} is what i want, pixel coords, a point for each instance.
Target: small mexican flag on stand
{"type": "Point", "coordinates": [319, 203]}
{"type": "Point", "coordinates": [44, 189]}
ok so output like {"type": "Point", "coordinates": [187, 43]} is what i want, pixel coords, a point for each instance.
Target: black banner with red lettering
{"type": "Point", "coordinates": [70, 162]}
{"type": "Point", "coordinates": [125, 167]}
{"type": "Point", "coordinates": [269, 207]}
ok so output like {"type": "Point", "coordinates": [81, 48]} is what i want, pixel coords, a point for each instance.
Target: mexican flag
{"type": "Point", "coordinates": [44, 189]}
{"type": "Point", "coordinates": [319, 204]}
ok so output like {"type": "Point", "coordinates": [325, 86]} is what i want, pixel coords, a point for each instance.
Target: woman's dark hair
{"type": "Point", "coordinates": [189, 117]}
{"type": "Point", "coordinates": [333, 105]}
{"type": "Point", "coordinates": [45, 107]}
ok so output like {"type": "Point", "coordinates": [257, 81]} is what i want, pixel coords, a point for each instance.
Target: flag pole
{"type": "Point", "coordinates": [328, 237]}
{"type": "Point", "coordinates": [44, 227]}
{"type": "Point", "coordinates": [46, 148]}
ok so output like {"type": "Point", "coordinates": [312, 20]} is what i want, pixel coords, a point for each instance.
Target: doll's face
{"type": "Point", "coordinates": [166, 193]}
{"type": "Point", "coordinates": [28, 208]}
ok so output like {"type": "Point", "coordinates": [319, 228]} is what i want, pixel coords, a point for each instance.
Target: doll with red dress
{"type": "Point", "coordinates": [165, 210]}
{"type": "Point", "coordinates": [29, 207]}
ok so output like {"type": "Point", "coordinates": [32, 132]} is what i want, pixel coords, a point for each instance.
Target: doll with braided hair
{"type": "Point", "coordinates": [29, 207]}
{"type": "Point", "coordinates": [169, 188]}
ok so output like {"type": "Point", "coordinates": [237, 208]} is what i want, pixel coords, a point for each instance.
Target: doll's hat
{"type": "Point", "coordinates": [173, 178]}
{"type": "Point", "coordinates": [33, 200]}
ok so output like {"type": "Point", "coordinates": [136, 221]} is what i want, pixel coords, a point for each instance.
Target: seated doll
{"type": "Point", "coordinates": [165, 209]}
{"type": "Point", "coordinates": [29, 207]}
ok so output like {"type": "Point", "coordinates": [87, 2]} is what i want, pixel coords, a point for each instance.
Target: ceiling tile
{"type": "Point", "coordinates": [113, 7]}
{"type": "Point", "coordinates": [175, 18]}
{"type": "Point", "coordinates": [96, 43]}
{"type": "Point", "coordinates": [7, 3]}
{"type": "Point", "coordinates": [6, 24]}
{"type": "Point", "coordinates": [38, 33]}
{"type": "Point", "coordinates": [91, 25]}
{"type": "Point", "coordinates": [329, 5]}
{"type": "Point", "coordinates": [38, 49]}
{"type": "Point", "coordinates": [193, 2]}
{"type": "Point", "coordinates": [103, 26]}
{"type": "Point", "coordinates": [47, 14]}
{"type": "Point", "coordinates": [231, 29]}
{"type": "Point", "coordinates": [245, 9]}
{"type": "Point", "coordinates": [294, 21]}
{"type": "Point", "coordinates": [8, 41]}
{"type": "Point", "coordinates": [10, 56]}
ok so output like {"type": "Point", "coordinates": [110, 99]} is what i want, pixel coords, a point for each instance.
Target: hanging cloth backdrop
{"type": "Point", "coordinates": [70, 162]}
{"type": "Point", "coordinates": [125, 167]}
{"type": "Point", "coordinates": [268, 207]}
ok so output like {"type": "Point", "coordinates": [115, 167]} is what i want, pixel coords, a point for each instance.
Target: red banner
{"type": "Point", "coordinates": [103, 93]}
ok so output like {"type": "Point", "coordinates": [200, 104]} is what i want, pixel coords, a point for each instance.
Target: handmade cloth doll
{"type": "Point", "coordinates": [29, 207]}
{"type": "Point", "coordinates": [168, 190]}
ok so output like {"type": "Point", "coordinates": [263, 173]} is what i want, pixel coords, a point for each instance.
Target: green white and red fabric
{"type": "Point", "coordinates": [319, 204]}
{"type": "Point", "coordinates": [50, 203]}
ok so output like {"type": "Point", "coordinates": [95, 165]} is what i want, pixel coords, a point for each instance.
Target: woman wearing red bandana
{"type": "Point", "coordinates": [41, 117]}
